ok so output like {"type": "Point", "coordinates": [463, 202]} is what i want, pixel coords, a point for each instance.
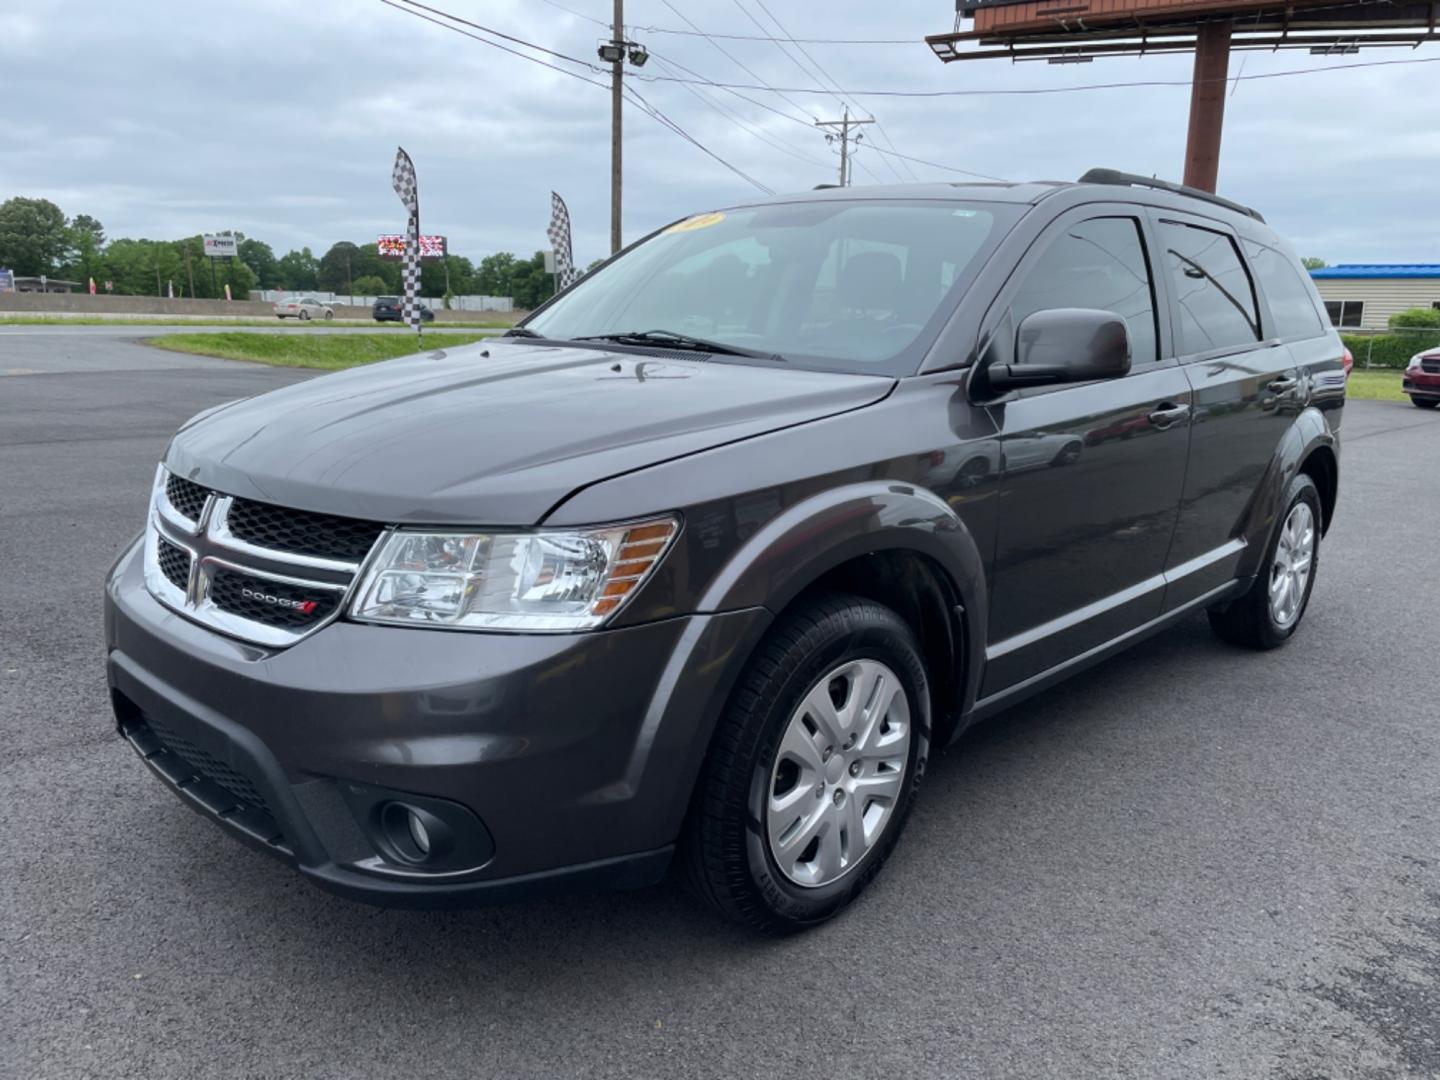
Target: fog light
{"type": "Point", "coordinates": [418, 832]}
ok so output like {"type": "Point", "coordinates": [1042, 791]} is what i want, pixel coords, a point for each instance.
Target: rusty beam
{"type": "Point", "coordinates": [1207, 105]}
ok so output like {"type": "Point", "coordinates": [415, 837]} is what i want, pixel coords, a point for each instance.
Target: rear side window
{"type": "Point", "coordinates": [1214, 298]}
{"type": "Point", "coordinates": [1098, 264]}
{"type": "Point", "coordinates": [1286, 292]}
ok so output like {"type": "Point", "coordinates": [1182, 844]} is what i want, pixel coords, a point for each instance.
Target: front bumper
{"type": "Point", "coordinates": [1422, 384]}
{"type": "Point", "coordinates": [565, 760]}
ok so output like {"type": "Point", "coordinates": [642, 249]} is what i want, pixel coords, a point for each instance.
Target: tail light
{"type": "Point", "coordinates": [1349, 363]}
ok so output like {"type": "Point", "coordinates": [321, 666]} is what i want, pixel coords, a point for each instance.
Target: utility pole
{"type": "Point", "coordinates": [617, 103]}
{"type": "Point", "coordinates": [615, 52]}
{"type": "Point", "coordinates": [844, 124]}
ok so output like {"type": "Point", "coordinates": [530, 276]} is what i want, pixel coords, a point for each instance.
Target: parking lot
{"type": "Point", "coordinates": [1191, 861]}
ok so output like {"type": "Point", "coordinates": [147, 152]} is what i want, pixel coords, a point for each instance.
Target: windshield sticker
{"type": "Point", "coordinates": [702, 221]}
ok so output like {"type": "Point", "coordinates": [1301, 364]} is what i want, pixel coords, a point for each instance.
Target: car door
{"type": "Point", "coordinates": [1091, 474]}
{"type": "Point", "coordinates": [1244, 380]}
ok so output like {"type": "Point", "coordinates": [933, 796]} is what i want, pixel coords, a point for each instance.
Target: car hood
{"type": "Point", "coordinates": [495, 434]}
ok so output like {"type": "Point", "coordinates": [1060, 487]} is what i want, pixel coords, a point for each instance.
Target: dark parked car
{"type": "Point", "coordinates": [1422, 379]}
{"type": "Point", "coordinates": [389, 308]}
{"type": "Point", "coordinates": [704, 561]}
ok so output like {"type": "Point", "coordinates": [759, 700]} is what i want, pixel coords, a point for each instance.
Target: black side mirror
{"type": "Point", "coordinates": [1065, 345]}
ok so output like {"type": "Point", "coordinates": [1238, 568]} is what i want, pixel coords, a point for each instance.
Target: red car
{"type": "Point", "coordinates": [1422, 379]}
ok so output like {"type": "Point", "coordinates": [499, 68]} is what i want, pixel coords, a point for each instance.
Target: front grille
{"type": "Point", "coordinates": [1430, 367]}
{"type": "Point", "coordinates": [174, 564]}
{"type": "Point", "coordinates": [270, 603]}
{"type": "Point", "coordinates": [302, 532]}
{"type": "Point", "coordinates": [236, 784]}
{"type": "Point", "coordinates": [186, 497]}
{"type": "Point", "coordinates": [262, 573]}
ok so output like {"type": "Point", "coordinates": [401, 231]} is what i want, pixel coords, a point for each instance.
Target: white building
{"type": "Point", "coordinates": [1364, 296]}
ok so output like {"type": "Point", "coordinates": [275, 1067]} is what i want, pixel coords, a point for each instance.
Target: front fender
{"type": "Point", "coordinates": [799, 545]}
{"type": "Point", "coordinates": [1309, 432]}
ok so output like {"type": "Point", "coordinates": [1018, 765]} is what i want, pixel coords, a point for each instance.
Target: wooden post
{"type": "Point", "coordinates": [1207, 105]}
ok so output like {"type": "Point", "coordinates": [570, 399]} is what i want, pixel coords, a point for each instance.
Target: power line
{"type": "Point", "coordinates": [1035, 90]}
{"type": "Point", "coordinates": [739, 37]}
{"type": "Point", "coordinates": [502, 48]}
{"type": "Point", "coordinates": [937, 165]}
{"type": "Point", "coordinates": [824, 76]}
{"type": "Point", "coordinates": [639, 101]}
{"type": "Point", "coordinates": [739, 62]}
{"type": "Point", "coordinates": [737, 120]}
{"type": "Point", "coordinates": [704, 81]}
{"type": "Point", "coordinates": [662, 118]}
{"type": "Point", "coordinates": [979, 92]}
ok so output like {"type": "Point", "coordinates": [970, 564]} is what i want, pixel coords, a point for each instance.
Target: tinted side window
{"type": "Point", "coordinates": [1214, 298]}
{"type": "Point", "coordinates": [1100, 263]}
{"type": "Point", "coordinates": [1286, 292]}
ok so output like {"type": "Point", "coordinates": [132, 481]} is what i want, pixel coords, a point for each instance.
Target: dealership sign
{"type": "Point", "coordinates": [392, 246]}
{"type": "Point", "coordinates": [219, 245]}
{"type": "Point", "coordinates": [7, 280]}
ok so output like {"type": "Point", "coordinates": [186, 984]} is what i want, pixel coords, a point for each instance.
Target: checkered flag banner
{"type": "Point", "coordinates": [402, 177]}
{"type": "Point", "coordinates": [559, 233]}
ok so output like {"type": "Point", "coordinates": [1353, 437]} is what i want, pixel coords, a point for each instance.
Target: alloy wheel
{"type": "Point", "coordinates": [1294, 558]}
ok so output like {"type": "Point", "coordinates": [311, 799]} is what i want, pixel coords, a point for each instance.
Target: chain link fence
{"type": "Point", "coordinates": [1389, 349]}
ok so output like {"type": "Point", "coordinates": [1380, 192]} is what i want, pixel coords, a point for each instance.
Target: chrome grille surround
{"type": "Point", "coordinates": [212, 548]}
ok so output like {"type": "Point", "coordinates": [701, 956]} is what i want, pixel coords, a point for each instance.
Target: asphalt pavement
{"type": "Point", "coordinates": [1192, 861]}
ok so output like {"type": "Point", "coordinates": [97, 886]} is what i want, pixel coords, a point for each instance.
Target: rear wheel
{"type": "Point", "coordinates": [1425, 403]}
{"type": "Point", "coordinates": [1270, 611]}
{"type": "Point", "coordinates": [813, 767]}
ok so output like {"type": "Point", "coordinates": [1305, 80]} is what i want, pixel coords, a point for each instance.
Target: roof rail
{"type": "Point", "coordinates": [1124, 179]}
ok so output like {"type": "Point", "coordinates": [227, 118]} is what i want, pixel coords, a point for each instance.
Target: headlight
{"type": "Point", "coordinates": [540, 581]}
{"type": "Point", "coordinates": [1414, 362]}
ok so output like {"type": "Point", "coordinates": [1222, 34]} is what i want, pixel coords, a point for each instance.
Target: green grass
{"type": "Point", "coordinates": [1375, 385]}
{"type": "Point", "coordinates": [202, 320]}
{"type": "Point", "coordinates": [329, 352]}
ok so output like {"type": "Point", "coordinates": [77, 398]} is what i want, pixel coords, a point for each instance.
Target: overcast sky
{"type": "Point", "coordinates": [166, 118]}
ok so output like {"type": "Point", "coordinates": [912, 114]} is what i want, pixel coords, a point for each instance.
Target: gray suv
{"type": "Point", "coordinates": [704, 561]}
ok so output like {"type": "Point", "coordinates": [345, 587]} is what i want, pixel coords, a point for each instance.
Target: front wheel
{"type": "Point", "coordinates": [304, 316]}
{"type": "Point", "coordinates": [1425, 403]}
{"type": "Point", "coordinates": [329, 315]}
{"type": "Point", "coordinates": [813, 767]}
{"type": "Point", "coordinates": [1269, 613]}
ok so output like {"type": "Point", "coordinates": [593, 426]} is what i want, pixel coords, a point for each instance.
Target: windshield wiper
{"type": "Point", "coordinates": [671, 339]}
{"type": "Point", "coordinates": [522, 331]}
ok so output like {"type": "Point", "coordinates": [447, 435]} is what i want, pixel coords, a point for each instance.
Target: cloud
{"type": "Point", "coordinates": [170, 118]}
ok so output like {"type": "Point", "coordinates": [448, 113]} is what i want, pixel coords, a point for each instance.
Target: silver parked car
{"type": "Point", "coordinates": [304, 308]}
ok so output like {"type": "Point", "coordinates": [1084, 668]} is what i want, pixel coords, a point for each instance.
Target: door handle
{"type": "Point", "coordinates": [1282, 385]}
{"type": "Point", "coordinates": [1168, 413]}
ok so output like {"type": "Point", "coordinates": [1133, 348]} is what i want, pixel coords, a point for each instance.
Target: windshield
{"type": "Point", "coordinates": [839, 285]}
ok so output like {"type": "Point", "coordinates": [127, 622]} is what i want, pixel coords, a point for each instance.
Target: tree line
{"type": "Point", "coordinates": [37, 238]}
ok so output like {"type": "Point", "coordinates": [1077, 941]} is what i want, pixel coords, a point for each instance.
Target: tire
{"type": "Point", "coordinates": [1252, 620]}
{"type": "Point", "coordinates": [1425, 403]}
{"type": "Point", "coordinates": [329, 315]}
{"type": "Point", "coordinates": [304, 316]}
{"type": "Point", "coordinates": [728, 854]}
{"type": "Point", "coordinates": [1068, 455]}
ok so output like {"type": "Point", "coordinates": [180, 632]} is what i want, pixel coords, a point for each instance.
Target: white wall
{"type": "Point", "coordinates": [434, 303]}
{"type": "Point", "coordinates": [1382, 297]}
